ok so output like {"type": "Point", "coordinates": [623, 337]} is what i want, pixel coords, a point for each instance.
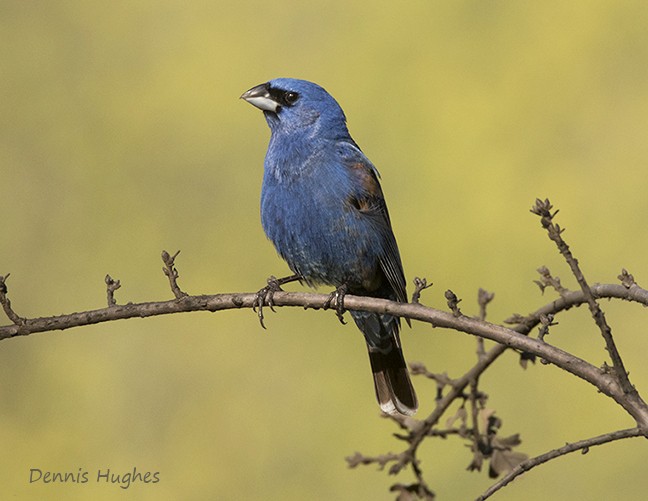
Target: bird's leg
{"type": "Point", "coordinates": [265, 295]}
{"type": "Point", "coordinates": [338, 294]}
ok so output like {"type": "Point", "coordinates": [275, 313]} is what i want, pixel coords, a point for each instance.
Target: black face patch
{"type": "Point", "coordinates": [283, 97]}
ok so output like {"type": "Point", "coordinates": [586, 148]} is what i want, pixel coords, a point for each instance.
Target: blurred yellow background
{"type": "Point", "coordinates": [121, 134]}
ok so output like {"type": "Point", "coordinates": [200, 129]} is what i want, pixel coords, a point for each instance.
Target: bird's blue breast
{"type": "Point", "coordinates": [306, 214]}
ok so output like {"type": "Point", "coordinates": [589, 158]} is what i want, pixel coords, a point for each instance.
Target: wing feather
{"type": "Point", "coordinates": [371, 203]}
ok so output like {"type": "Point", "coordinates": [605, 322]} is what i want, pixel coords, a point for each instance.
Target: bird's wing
{"type": "Point", "coordinates": [368, 199]}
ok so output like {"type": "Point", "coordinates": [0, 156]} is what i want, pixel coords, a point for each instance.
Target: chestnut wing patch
{"type": "Point", "coordinates": [370, 202]}
{"type": "Point", "coordinates": [370, 199]}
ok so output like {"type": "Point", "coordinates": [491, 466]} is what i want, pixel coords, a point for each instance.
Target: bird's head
{"type": "Point", "coordinates": [290, 105]}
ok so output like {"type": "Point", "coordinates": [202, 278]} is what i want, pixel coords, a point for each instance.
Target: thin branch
{"type": "Point", "coordinates": [172, 273]}
{"type": "Point", "coordinates": [483, 298]}
{"type": "Point", "coordinates": [548, 280]}
{"type": "Point", "coordinates": [474, 414]}
{"type": "Point", "coordinates": [453, 303]}
{"type": "Point", "coordinates": [420, 284]}
{"type": "Point", "coordinates": [382, 460]}
{"type": "Point", "coordinates": [582, 445]}
{"type": "Point", "coordinates": [546, 321]}
{"type": "Point", "coordinates": [111, 287]}
{"type": "Point", "coordinates": [6, 303]}
{"type": "Point", "coordinates": [455, 391]}
{"type": "Point", "coordinates": [543, 209]}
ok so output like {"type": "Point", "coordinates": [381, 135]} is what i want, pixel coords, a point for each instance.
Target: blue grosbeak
{"type": "Point", "coordinates": [324, 210]}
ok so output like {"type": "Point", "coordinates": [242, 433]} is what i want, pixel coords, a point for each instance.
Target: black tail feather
{"type": "Point", "coordinates": [394, 389]}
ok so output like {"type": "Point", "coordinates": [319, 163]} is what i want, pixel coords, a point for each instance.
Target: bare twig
{"type": "Point", "coordinates": [442, 380]}
{"type": "Point", "coordinates": [418, 369]}
{"type": "Point", "coordinates": [111, 287]}
{"type": "Point", "coordinates": [172, 273]}
{"type": "Point", "coordinates": [420, 488]}
{"type": "Point", "coordinates": [547, 280]}
{"type": "Point", "coordinates": [626, 279]}
{"type": "Point", "coordinates": [6, 303]}
{"type": "Point", "coordinates": [543, 209]}
{"type": "Point", "coordinates": [453, 303]}
{"type": "Point", "coordinates": [546, 321]}
{"type": "Point", "coordinates": [455, 391]}
{"type": "Point", "coordinates": [582, 445]}
{"type": "Point", "coordinates": [474, 414]}
{"type": "Point", "coordinates": [483, 298]}
{"type": "Point", "coordinates": [420, 284]}
{"type": "Point", "coordinates": [382, 460]}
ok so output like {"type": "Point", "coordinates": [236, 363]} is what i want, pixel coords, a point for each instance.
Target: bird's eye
{"type": "Point", "coordinates": [290, 97]}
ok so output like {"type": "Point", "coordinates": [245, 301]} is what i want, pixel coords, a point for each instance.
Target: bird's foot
{"type": "Point", "coordinates": [265, 296]}
{"type": "Point", "coordinates": [337, 295]}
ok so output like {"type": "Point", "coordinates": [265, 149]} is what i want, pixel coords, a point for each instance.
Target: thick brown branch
{"type": "Point", "coordinates": [506, 337]}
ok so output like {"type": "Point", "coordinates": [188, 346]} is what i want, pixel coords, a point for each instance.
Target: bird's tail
{"type": "Point", "coordinates": [394, 389]}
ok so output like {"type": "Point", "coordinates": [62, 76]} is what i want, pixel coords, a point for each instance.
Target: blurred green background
{"type": "Point", "coordinates": [121, 134]}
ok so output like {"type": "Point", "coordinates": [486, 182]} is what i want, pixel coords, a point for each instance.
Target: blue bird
{"type": "Point", "coordinates": [324, 211]}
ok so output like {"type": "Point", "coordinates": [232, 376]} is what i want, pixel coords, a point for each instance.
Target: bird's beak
{"type": "Point", "coordinates": [259, 96]}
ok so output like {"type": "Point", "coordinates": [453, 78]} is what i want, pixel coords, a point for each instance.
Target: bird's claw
{"type": "Point", "coordinates": [337, 295]}
{"type": "Point", "coordinates": [265, 297]}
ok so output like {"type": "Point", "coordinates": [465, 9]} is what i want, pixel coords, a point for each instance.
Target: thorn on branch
{"type": "Point", "coordinates": [546, 321]}
{"type": "Point", "coordinates": [111, 287]}
{"type": "Point", "coordinates": [453, 303]}
{"type": "Point", "coordinates": [172, 273]}
{"type": "Point", "coordinates": [547, 280]}
{"type": "Point", "coordinates": [483, 298]}
{"type": "Point", "coordinates": [627, 280]}
{"type": "Point", "coordinates": [420, 284]}
{"type": "Point", "coordinates": [6, 303]}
